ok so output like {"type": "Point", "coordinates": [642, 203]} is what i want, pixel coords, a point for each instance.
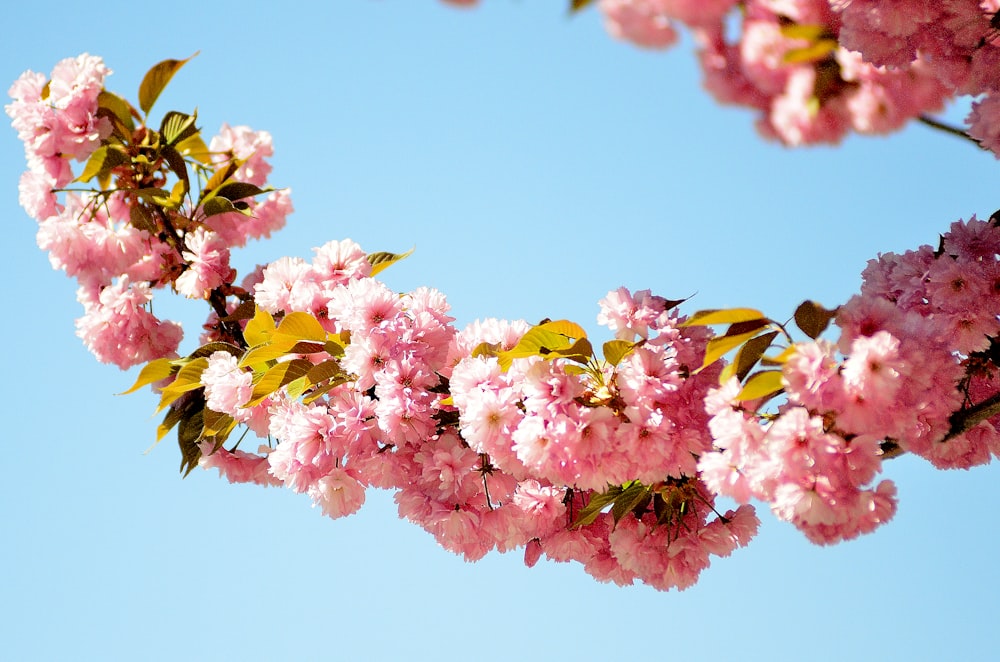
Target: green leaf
{"type": "Point", "coordinates": [101, 161]}
{"type": "Point", "coordinates": [278, 376]}
{"type": "Point", "coordinates": [194, 147]}
{"type": "Point", "coordinates": [536, 342]}
{"type": "Point", "coordinates": [177, 126]}
{"type": "Point", "coordinates": [382, 260]}
{"type": "Point", "coordinates": [189, 432]}
{"type": "Point", "coordinates": [238, 190]}
{"type": "Point", "coordinates": [813, 318]}
{"type": "Point", "coordinates": [751, 353]}
{"type": "Point", "coordinates": [724, 316]}
{"type": "Point", "coordinates": [118, 107]}
{"type": "Point", "coordinates": [597, 503]}
{"type": "Point", "coordinates": [152, 372]}
{"type": "Point", "coordinates": [761, 384]}
{"type": "Point", "coordinates": [616, 350]}
{"type": "Point", "coordinates": [580, 351]}
{"type": "Point", "coordinates": [630, 498]}
{"type": "Point", "coordinates": [273, 349]}
{"type": "Point", "coordinates": [214, 206]}
{"type": "Point", "coordinates": [188, 379]}
{"type": "Point", "coordinates": [141, 219]}
{"type": "Point", "coordinates": [156, 80]}
{"type": "Point", "coordinates": [719, 346]}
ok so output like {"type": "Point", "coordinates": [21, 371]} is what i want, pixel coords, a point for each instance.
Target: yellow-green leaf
{"type": "Point", "coordinates": [259, 330]}
{"type": "Point", "coordinates": [810, 32]}
{"type": "Point", "coordinates": [156, 80]}
{"type": "Point", "coordinates": [536, 342]}
{"type": "Point", "coordinates": [616, 350]}
{"type": "Point", "coordinates": [382, 260]}
{"type": "Point", "coordinates": [761, 384]}
{"type": "Point", "coordinates": [564, 328]}
{"type": "Point", "coordinates": [724, 316]}
{"type": "Point", "coordinates": [188, 379]}
{"type": "Point", "coordinates": [194, 147]}
{"type": "Point", "coordinates": [152, 372]}
{"type": "Point", "coordinates": [811, 53]}
{"type": "Point", "coordinates": [302, 326]}
{"type": "Point", "coordinates": [717, 347]}
{"type": "Point", "coordinates": [278, 376]}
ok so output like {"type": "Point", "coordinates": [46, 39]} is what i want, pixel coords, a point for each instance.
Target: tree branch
{"type": "Point", "coordinates": [947, 128]}
{"type": "Point", "coordinates": [965, 419]}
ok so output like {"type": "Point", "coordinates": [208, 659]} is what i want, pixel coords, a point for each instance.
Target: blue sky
{"type": "Point", "coordinates": [535, 164]}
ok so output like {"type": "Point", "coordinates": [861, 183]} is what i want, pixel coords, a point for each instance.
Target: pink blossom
{"type": "Point", "coordinates": [207, 259]}
{"type": "Point", "coordinates": [227, 386]}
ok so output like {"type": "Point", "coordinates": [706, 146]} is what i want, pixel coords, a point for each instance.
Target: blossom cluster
{"type": "Point", "coordinates": [915, 348]}
{"type": "Point", "coordinates": [93, 236]}
{"type": "Point", "coordinates": [481, 457]}
{"type": "Point", "coordinates": [816, 70]}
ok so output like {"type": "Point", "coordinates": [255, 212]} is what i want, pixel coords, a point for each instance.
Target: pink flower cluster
{"type": "Point", "coordinates": [515, 455]}
{"type": "Point", "coordinates": [819, 69]}
{"type": "Point", "coordinates": [91, 237]}
{"type": "Point", "coordinates": [917, 342]}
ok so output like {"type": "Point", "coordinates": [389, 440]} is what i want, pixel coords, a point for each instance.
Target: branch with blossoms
{"type": "Point", "coordinates": [502, 435]}
{"type": "Point", "coordinates": [816, 70]}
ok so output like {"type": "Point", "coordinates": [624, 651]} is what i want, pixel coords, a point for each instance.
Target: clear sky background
{"type": "Point", "coordinates": [535, 164]}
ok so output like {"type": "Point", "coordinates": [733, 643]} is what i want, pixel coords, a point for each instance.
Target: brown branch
{"type": "Point", "coordinates": [949, 129]}
{"type": "Point", "coordinates": [965, 419]}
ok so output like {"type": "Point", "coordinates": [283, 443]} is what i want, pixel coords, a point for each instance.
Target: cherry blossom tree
{"type": "Point", "coordinates": [507, 435]}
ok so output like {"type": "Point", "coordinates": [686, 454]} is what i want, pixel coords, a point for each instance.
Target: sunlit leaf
{"type": "Point", "coordinates": [156, 80]}
{"type": "Point", "coordinates": [817, 51]}
{"type": "Point", "coordinates": [724, 316]}
{"type": "Point", "coordinates": [536, 342]}
{"type": "Point", "coordinates": [760, 385]}
{"type": "Point", "coordinates": [382, 260]}
{"type": "Point", "coordinates": [259, 329]}
{"type": "Point", "coordinates": [177, 126]}
{"type": "Point", "coordinates": [152, 372]}
{"type": "Point", "coordinates": [273, 349]}
{"type": "Point", "coordinates": [102, 160]}
{"type": "Point", "coordinates": [810, 32]}
{"type": "Point", "coordinates": [565, 328]}
{"type": "Point", "coordinates": [302, 326]}
{"type": "Point", "coordinates": [278, 376]}
{"type": "Point", "coordinates": [719, 346]}
{"type": "Point", "coordinates": [194, 147]}
{"type": "Point", "coordinates": [616, 350]}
